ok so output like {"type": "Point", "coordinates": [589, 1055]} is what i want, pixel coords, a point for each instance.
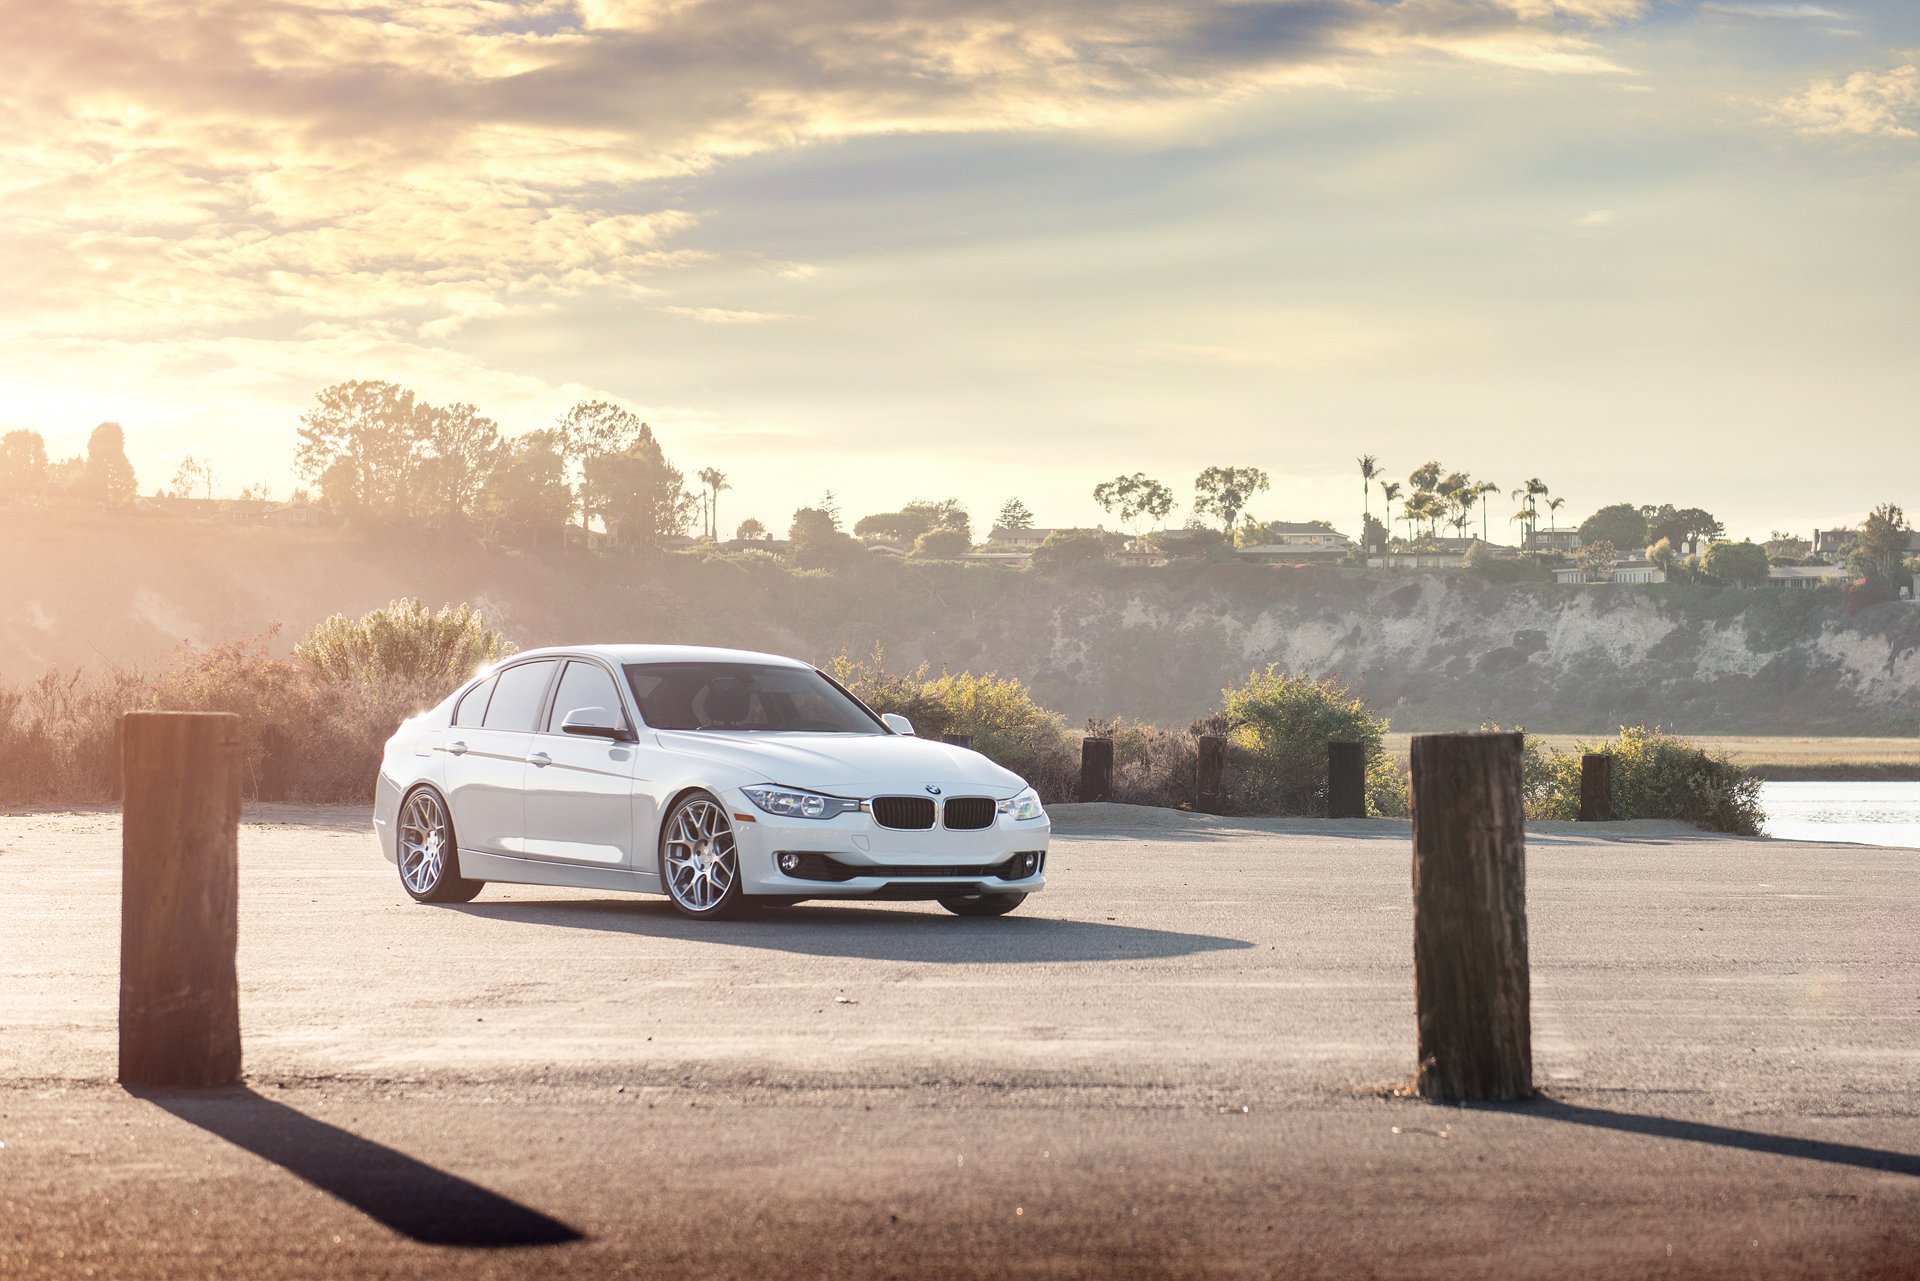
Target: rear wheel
{"type": "Point", "coordinates": [429, 857]}
{"type": "Point", "coordinates": [700, 860]}
{"type": "Point", "coordinates": [982, 904]}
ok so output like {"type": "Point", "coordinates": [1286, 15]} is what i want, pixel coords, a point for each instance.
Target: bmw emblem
{"type": "Point", "coordinates": [932, 790]}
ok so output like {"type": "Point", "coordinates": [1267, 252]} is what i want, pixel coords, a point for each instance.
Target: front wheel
{"type": "Point", "coordinates": [982, 904]}
{"type": "Point", "coordinates": [700, 860]}
{"type": "Point", "coordinates": [429, 856]}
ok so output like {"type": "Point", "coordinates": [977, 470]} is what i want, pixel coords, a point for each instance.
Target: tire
{"type": "Point", "coordinates": [700, 860]}
{"type": "Point", "coordinates": [982, 904]}
{"type": "Point", "coordinates": [429, 860]}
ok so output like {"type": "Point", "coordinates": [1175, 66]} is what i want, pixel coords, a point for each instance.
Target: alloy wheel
{"type": "Point", "coordinates": [424, 833]}
{"type": "Point", "coordinates": [702, 860]}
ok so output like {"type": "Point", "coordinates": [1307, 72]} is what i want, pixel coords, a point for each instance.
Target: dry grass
{"type": "Point", "coordinates": [1773, 757]}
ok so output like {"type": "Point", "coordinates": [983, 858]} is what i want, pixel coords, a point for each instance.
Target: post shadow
{"type": "Point", "coordinates": [416, 1200]}
{"type": "Point", "coordinates": [1664, 1127]}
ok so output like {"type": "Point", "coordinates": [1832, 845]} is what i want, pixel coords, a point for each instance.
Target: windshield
{"type": "Point", "coordinates": [745, 696]}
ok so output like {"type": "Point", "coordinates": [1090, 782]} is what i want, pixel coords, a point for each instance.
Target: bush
{"type": "Point", "coordinates": [1151, 765]}
{"type": "Point", "coordinates": [405, 642]}
{"type": "Point", "coordinates": [942, 544]}
{"type": "Point", "coordinates": [1284, 722]}
{"type": "Point", "coordinates": [1070, 547]}
{"type": "Point", "coordinates": [1655, 775]}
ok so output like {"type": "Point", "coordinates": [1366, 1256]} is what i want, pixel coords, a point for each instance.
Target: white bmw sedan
{"type": "Point", "coordinates": [720, 778]}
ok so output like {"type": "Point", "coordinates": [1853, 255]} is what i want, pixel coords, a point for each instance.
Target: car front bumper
{"type": "Point", "coordinates": [853, 857]}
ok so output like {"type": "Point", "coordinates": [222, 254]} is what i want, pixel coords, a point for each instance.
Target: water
{"type": "Point", "coordinates": [1863, 813]}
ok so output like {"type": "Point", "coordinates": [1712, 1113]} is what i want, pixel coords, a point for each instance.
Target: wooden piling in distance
{"type": "Point", "coordinates": [179, 891]}
{"type": "Point", "coordinates": [1096, 769]}
{"type": "Point", "coordinates": [1596, 788]}
{"type": "Point", "coordinates": [1210, 773]}
{"type": "Point", "coordinates": [1470, 977]}
{"type": "Point", "coordinates": [1346, 780]}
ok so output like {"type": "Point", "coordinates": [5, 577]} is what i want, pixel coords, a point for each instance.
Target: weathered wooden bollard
{"type": "Point", "coordinates": [179, 891]}
{"type": "Point", "coordinates": [1346, 780]}
{"type": "Point", "coordinates": [1470, 982]}
{"type": "Point", "coordinates": [958, 740]}
{"type": "Point", "coordinates": [1596, 788]}
{"type": "Point", "coordinates": [1096, 769]}
{"type": "Point", "coordinates": [1209, 773]}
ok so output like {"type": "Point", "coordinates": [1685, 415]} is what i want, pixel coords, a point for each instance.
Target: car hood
{"type": "Point", "coordinates": [846, 764]}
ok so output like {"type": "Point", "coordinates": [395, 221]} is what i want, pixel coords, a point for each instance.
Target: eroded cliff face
{"type": "Point", "coordinates": [1435, 650]}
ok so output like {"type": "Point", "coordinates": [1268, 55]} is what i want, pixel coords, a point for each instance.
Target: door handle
{"type": "Point", "coordinates": [457, 748]}
{"type": "Point", "coordinates": [540, 759]}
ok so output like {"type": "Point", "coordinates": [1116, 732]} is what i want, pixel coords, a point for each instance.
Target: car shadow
{"type": "Point", "coordinates": [1664, 1127]}
{"type": "Point", "coordinates": [868, 933]}
{"type": "Point", "coordinates": [414, 1199]}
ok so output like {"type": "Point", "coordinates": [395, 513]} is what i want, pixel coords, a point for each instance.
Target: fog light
{"type": "Point", "coordinates": [789, 862]}
{"type": "Point", "coordinates": [1025, 865]}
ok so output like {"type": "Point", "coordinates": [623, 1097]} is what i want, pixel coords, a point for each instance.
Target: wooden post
{"type": "Point", "coordinates": [1210, 772]}
{"type": "Point", "coordinates": [958, 740]}
{"type": "Point", "coordinates": [179, 888]}
{"type": "Point", "coordinates": [1096, 769]}
{"type": "Point", "coordinates": [1470, 978]}
{"type": "Point", "coordinates": [1346, 780]}
{"type": "Point", "coordinates": [1596, 788]}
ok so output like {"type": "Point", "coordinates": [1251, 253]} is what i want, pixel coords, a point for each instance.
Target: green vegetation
{"type": "Point", "coordinates": [1620, 524]}
{"type": "Point", "coordinates": [1283, 722]}
{"type": "Point", "coordinates": [405, 642]}
{"type": "Point", "coordinates": [1655, 775]}
{"type": "Point", "coordinates": [1736, 562]}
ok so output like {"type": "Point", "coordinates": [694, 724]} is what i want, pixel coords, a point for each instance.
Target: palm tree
{"type": "Point", "coordinates": [1369, 468]}
{"type": "Point", "coordinates": [1553, 505]}
{"type": "Point", "coordinates": [1391, 489]}
{"type": "Point", "coordinates": [1480, 492]}
{"type": "Point", "coordinates": [1531, 492]}
{"type": "Point", "coordinates": [715, 480]}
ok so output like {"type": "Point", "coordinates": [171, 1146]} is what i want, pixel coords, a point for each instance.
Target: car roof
{"type": "Point", "coordinates": [664, 654]}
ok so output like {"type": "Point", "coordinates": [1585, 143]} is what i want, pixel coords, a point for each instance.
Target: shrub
{"type": "Point", "coordinates": [1151, 765]}
{"type": "Point", "coordinates": [1070, 547]}
{"type": "Point", "coordinates": [1655, 775]}
{"type": "Point", "coordinates": [942, 544]}
{"type": "Point", "coordinates": [406, 642]}
{"type": "Point", "coordinates": [1284, 722]}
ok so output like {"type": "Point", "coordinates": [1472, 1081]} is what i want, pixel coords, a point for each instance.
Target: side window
{"type": "Point", "coordinates": [584, 685]}
{"type": "Point", "coordinates": [516, 696]}
{"type": "Point", "coordinates": [474, 705]}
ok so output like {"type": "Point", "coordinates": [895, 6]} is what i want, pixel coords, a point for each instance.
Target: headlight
{"type": "Point", "coordinates": [788, 802]}
{"type": "Point", "coordinates": [1024, 806]}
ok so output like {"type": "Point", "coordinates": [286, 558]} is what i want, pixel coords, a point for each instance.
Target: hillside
{"type": "Point", "coordinates": [1432, 650]}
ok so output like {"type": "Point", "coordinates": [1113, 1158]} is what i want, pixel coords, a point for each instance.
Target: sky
{"type": "Point", "coordinates": [1644, 251]}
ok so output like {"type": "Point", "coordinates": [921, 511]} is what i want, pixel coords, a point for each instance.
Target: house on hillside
{"type": "Point", "coordinates": [1802, 576]}
{"type": "Point", "coordinates": [1628, 569]}
{"type": "Point", "coordinates": [1552, 540]}
{"type": "Point", "coordinates": [1290, 541]}
{"type": "Point", "coordinates": [296, 515]}
{"type": "Point", "coordinates": [1025, 539]}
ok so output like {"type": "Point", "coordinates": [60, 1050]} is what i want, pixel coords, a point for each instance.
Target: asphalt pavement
{"type": "Point", "coordinates": [1186, 1059]}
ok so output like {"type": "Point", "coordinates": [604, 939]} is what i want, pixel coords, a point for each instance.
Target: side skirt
{"type": "Point", "coordinates": [528, 871]}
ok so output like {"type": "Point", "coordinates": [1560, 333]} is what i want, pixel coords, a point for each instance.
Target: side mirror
{"type": "Point", "coordinates": [593, 722]}
{"type": "Point", "coordinates": [898, 723]}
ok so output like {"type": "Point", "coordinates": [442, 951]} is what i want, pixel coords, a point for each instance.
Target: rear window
{"type": "Point", "coordinates": [517, 695]}
{"type": "Point", "coordinates": [474, 705]}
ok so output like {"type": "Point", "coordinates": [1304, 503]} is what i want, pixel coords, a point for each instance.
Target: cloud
{"type": "Point", "coordinates": [1867, 103]}
{"type": "Point", "coordinates": [724, 316]}
{"type": "Point", "coordinates": [1804, 12]}
{"type": "Point", "coordinates": [1595, 218]}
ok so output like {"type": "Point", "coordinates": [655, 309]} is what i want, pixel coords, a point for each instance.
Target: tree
{"type": "Point", "coordinates": [1130, 497]}
{"type": "Point", "coordinates": [944, 513]}
{"type": "Point", "coordinates": [527, 491]}
{"type": "Point", "coordinates": [596, 429]}
{"type": "Point", "coordinates": [192, 474]}
{"type": "Point", "coordinates": [1069, 547]}
{"type": "Point", "coordinates": [405, 641]}
{"type": "Point", "coordinates": [1369, 468]}
{"type": "Point", "coordinates": [714, 480]}
{"type": "Point", "coordinates": [458, 448]}
{"type": "Point", "coordinates": [360, 443]}
{"type": "Point", "coordinates": [815, 540]}
{"type": "Point", "coordinates": [1480, 492]}
{"type": "Point", "coordinates": [1553, 507]}
{"type": "Point", "coordinates": [638, 493]}
{"type": "Point", "coordinates": [1373, 534]}
{"type": "Point", "coordinates": [23, 465]}
{"type": "Point", "coordinates": [109, 475]}
{"type": "Point", "coordinates": [1390, 490]}
{"type": "Point", "coordinates": [942, 544]}
{"type": "Point", "coordinates": [1680, 525]}
{"type": "Point", "coordinates": [1736, 562]}
{"type": "Point", "coordinates": [1596, 559]}
{"type": "Point", "coordinates": [1224, 491]}
{"type": "Point", "coordinates": [1530, 495]}
{"type": "Point", "coordinates": [1014, 515]}
{"type": "Point", "coordinates": [1620, 524]}
{"type": "Point", "coordinates": [893, 528]}
{"type": "Point", "coordinates": [1880, 551]}
{"type": "Point", "coordinates": [1424, 477]}
{"type": "Point", "coordinates": [751, 530]}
